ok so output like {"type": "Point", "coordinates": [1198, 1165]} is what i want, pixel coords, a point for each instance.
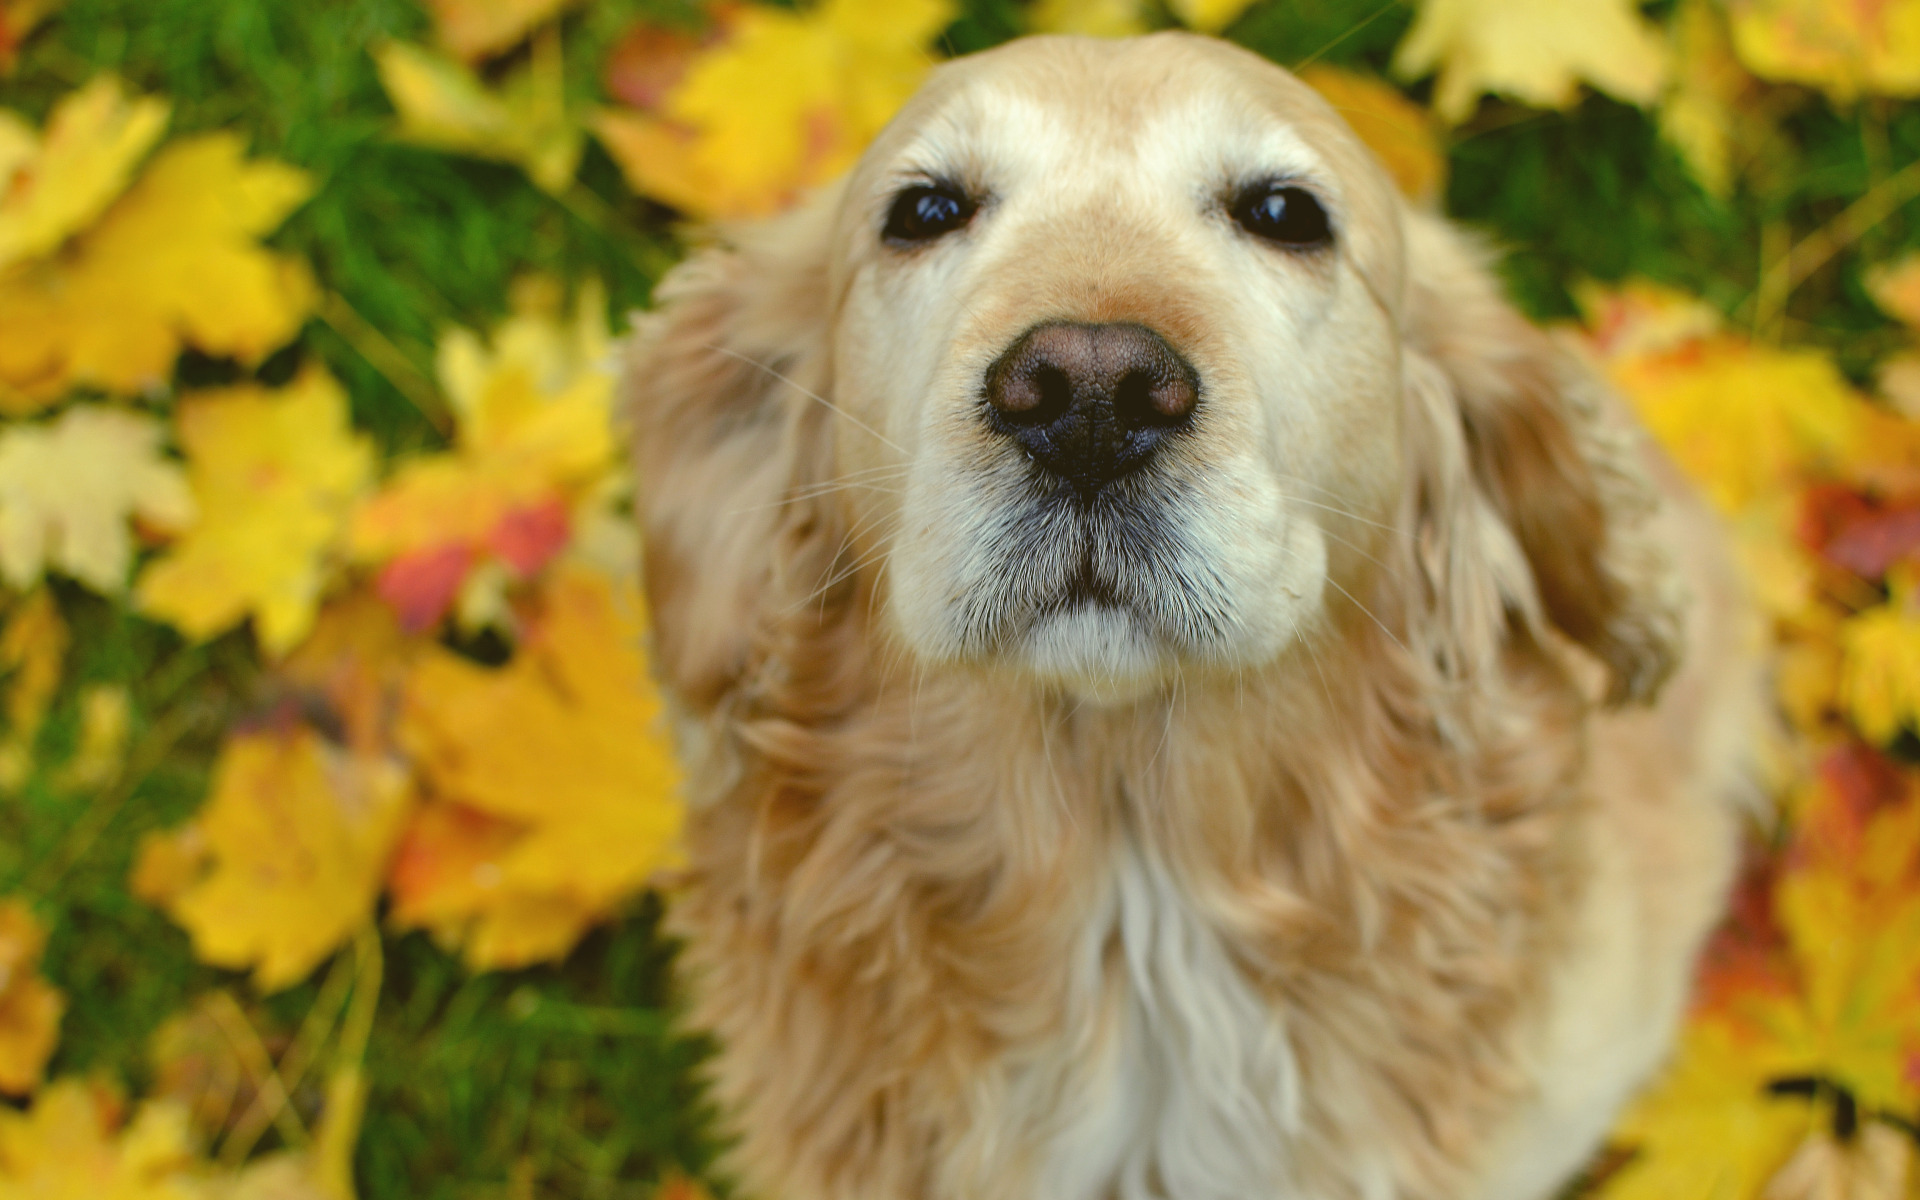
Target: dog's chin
{"type": "Point", "coordinates": [1095, 650]}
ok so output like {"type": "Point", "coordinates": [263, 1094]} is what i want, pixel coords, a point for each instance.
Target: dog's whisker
{"type": "Point", "coordinates": [1349, 514]}
{"type": "Point", "coordinates": [809, 393]}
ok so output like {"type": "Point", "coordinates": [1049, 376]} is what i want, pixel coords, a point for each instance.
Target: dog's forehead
{"type": "Point", "coordinates": [1084, 100]}
{"type": "Point", "coordinates": [1165, 113]}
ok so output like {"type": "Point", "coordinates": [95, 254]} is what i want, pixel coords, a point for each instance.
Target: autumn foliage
{"type": "Point", "coordinates": [331, 754]}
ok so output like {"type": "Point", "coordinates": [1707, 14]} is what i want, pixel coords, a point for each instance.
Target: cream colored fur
{"type": "Point", "coordinates": [1361, 852]}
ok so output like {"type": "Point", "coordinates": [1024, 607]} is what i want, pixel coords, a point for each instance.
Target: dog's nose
{"type": "Point", "coordinates": [1088, 402]}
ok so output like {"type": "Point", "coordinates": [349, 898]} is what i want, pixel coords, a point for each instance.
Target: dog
{"type": "Point", "coordinates": [1186, 693]}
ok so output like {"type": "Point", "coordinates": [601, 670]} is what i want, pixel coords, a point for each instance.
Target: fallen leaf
{"type": "Point", "coordinates": [677, 1186]}
{"type": "Point", "coordinates": [566, 787]}
{"type": "Point", "coordinates": [94, 140]}
{"type": "Point", "coordinates": [69, 1146]}
{"type": "Point", "coordinates": [70, 487]}
{"type": "Point", "coordinates": [1880, 673]}
{"type": "Point", "coordinates": [1710, 112]}
{"type": "Point", "coordinates": [1870, 1163]}
{"type": "Point", "coordinates": [33, 649]}
{"type": "Point", "coordinates": [1638, 318]}
{"type": "Point", "coordinates": [783, 103]}
{"type": "Point", "coordinates": [1208, 16]}
{"type": "Point", "coordinates": [30, 1008]}
{"type": "Point", "coordinates": [1865, 535]}
{"type": "Point", "coordinates": [1899, 383]}
{"type": "Point", "coordinates": [1537, 53]}
{"type": "Point", "coordinates": [1707, 1127]}
{"type": "Point", "coordinates": [1395, 128]}
{"type": "Point", "coordinates": [445, 106]}
{"type": "Point", "coordinates": [1742, 418]}
{"type": "Point", "coordinates": [534, 434]}
{"type": "Point", "coordinates": [648, 62]}
{"type": "Point", "coordinates": [476, 29]}
{"type": "Point", "coordinates": [1093, 18]}
{"type": "Point", "coordinates": [18, 18]}
{"type": "Point", "coordinates": [106, 714]}
{"type": "Point", "coordinates": [171, 263]}
{"type": "Point", "coordinates": [1895, 287]}
{"type": "Point", "coordinates": [1844, 49]}
{"type": "Point", "coordinates": [355, 660]}
{"type": "Point", "coordinates": [168, 863]}
{"type": "Point", "coordinates": [298, 836]}
{"type": "Point", "coordinates": [275, 474]}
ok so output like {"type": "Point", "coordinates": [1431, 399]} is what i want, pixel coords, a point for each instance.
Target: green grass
{"type": "Point", "coordinates": [568, 1081]}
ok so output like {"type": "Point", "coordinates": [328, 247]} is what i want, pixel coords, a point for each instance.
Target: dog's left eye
{"type": "Point", "coordinates": [1290, 216]}
{"type": "Point", "coordinates": [921, 214]}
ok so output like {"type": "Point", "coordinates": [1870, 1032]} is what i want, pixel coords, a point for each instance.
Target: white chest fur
{"type": "Point", "coordinates": [1191, 1089]}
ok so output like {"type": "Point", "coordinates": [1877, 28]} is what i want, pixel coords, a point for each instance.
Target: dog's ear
{"type": "Point", "coordinates": [721, 387]}
{"type": "Point", "coordinates": [1549, 455]}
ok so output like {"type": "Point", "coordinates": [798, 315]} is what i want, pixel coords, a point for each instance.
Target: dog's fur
{"type": "Point", "coordinates": [1345, 853]}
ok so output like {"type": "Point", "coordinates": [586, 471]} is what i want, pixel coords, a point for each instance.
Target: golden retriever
{"type": "Point", "coordinates": [1186, 693]}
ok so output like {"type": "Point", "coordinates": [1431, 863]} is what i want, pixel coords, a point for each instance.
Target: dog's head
{"type": "Point", "coordinates": [1114, 362]}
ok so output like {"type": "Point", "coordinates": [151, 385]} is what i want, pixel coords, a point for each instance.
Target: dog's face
{"type": "Point", "coordinates": [1124, 313]}
{"type": "Point", "coordinates": [1117, 363]}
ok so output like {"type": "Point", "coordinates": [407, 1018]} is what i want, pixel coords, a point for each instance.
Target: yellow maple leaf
{"type": "Point", "coordinates": [275, 474]}
{"type": "Point", "coordinates": [563, 756]}
{"type": "Point", "coordinates": [1708, 1128]}
{"type": "Point", "coordinates": [786, 102]}
{"type": "Point", "coordinates": [70, 1146]}
{"type": "Point", "coordinates": [1880, 670]}
{"type": "Point", "coordinates": [69, 487]}
{"type": "Point", "coordinates": [445, 106]}
{"type": "Point", "coordinates": [33, 648]}
{"type": "Point", "coordinates": [1840, 1012]}
{"type": "Point", "coordinates": [534, 434]}
{"type": "Point", "coordinates": [1844, 49]}
{"type": "Point", "coordinates": [1093, 18]}
{"type": "Point", "coordinates": [1395, 128]}
{"type": "Point", "coordinates": [296, 836]}
{"type": "Point", "coordinates": [30, 1008]}
{"type": "Point", "coordinates": [1536, 52]}
{"type": "Point", "coordinates": [474, 29]}
{"type": "Point", "coordinates": [1208, 16]}
{"type": "Point", "coordinates": [1709, 112]}
{"type": "Point", "coordinates": [1895, 287]}
{"type": "Point", "coordinates": [1742, 418]}
{"type": "Point", "coordinates": [95, 138]}
{"type": "Point", "coordinates": [172, 262]}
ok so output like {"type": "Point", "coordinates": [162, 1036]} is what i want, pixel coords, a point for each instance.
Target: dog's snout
{"type": "Point", "coordinates": [1088, 402]}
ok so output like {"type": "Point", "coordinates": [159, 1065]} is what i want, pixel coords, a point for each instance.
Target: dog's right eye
{"type": "Point", "coordinates": [921, 214]}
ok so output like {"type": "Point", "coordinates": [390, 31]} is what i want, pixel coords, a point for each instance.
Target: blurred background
{"type": "Point", "coordinates": [335, 814]}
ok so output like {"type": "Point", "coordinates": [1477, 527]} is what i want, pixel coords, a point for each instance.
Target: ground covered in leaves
{"type": "Point", "coordinates": [309, 490]}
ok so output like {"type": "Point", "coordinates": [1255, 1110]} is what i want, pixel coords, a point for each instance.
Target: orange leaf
{"type": "Point", "coordinates": [568, 791]}
{"type": "Point", "coordinates": [475, 29]}
{"type": "Point", "coordinates": [30, 1008]}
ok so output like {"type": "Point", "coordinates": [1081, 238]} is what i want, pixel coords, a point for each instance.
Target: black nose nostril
{"type": "Point", "coordinates": [1089, 403]}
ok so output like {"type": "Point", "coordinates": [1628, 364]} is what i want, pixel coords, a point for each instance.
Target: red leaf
{"type": "Point", "coordinates": [526, 539]}
{"type": "Point", "coordinates": [648, 63]}
{"type": "Point", "coordinates": [1859, 534]}
{"type": "Point", "coordinates": [422, 587]}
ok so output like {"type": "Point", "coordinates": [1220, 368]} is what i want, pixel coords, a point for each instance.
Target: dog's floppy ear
{"type": "Point", "coordinates": [719, 387]}
{"type": "Point", "coordinates": [1549, 454]}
